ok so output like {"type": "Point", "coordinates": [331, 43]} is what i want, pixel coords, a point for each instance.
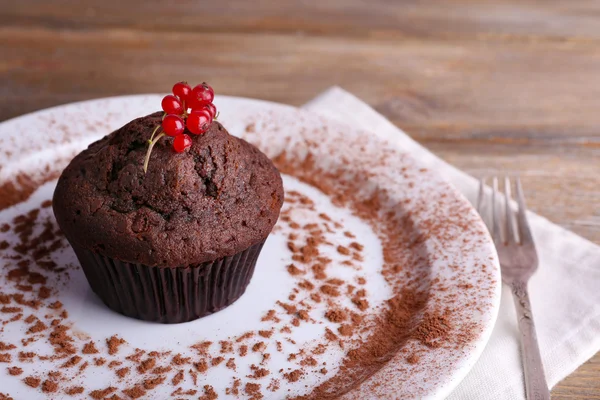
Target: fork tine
{"type": "Point", "coordinates": [524, 231]}
{"type": "Point", "coordinates": [508, 213]}
{"type": "Point", "coordinates": [496, 218]}
{"type": "Point", "coordinates": [480, 198]}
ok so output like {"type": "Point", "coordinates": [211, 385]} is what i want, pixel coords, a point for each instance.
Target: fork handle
{"type": "Point", "coordinates": [535, 382]}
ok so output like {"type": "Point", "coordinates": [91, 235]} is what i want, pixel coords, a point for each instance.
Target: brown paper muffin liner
{"type": "Point", "coordinates": [168, 295]}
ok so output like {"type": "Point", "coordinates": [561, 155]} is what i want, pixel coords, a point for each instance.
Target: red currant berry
{"type": "Point", "coordinates": [198, 121]}
{"type": "Point", "coordinates": [201, 94]}
{"type": "Point", "coordinates": [172, 105]}
{"type": "Point", "coordinates": [181, 143]}
{"type": "Point", "coordinates": [173, 125]}
{"type": "Point", "coordinates": [211, 109]}
{"type": "Point", "coordinates": [182, 90]}
{"type": "Point", "coordinates": [210, 90]}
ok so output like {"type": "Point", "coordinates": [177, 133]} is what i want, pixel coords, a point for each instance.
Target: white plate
{"type": "Point", "coordinates": [457, 261]}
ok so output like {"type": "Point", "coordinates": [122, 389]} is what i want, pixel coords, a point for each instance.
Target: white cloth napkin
{"type": "Point", "coordinates": [565, 291]}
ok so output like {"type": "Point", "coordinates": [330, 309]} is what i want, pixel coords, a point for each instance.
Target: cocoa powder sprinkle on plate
{"type": "Point", "coordinates": [135, 392]}
{"type": "Point", "coordinates": [15, 371]}
{"type": "Point", "coordinates": [49, 386]}
{"type": "Point", "coordinates": [113, 343]}
{"type": "Point", "coordinates": [201, 366]}
{"type": "Point", "coordinates": [146, 365]}
{"type": "Point", "coordinates": [90, 348]}
{"type": "Point", "coordinates": [177, 378]}
{"type": "Point", "coordinates": [5, 346]}
{"type": "Point", "coordinates": [178, 360]}
{"type": "Point", "coordinates": [294, 376]}
{"type": "Point", "coordinates": [72, 391]}
{"type": "Point", "coordinates": [253, 390]}
{"type": "Point", "coordinates": [151, 383]}
{"type": "Point", "coordinates": [209, 393]}
{"type": "Point", "coordinates": [102, 393]}
{"type": "Point", "coordinates": [31, 381]}
{"type": "Point", "coordinates": [231, 364]}
{"type": "Point", "coordinates": [317, 293]}
{"type": "Point", "coordinates": [216, 361]}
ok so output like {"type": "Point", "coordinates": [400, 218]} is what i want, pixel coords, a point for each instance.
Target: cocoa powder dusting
{"type": "Point", "coordinates": [330, 290]}
{"type": "Point", "coordinates": [32, 381]}
{"type": "Point", "coordinates": [151, 383]}
{"type": "Point", "coordinates": [71, 362]}
{"type": "Point", "coordinates": [367, 356]}
{"type": "Point", "coordinates": [90, 348]}
{"type": "Point", "coordinates": [179, 360]}
{"type": "Point", "coordinates": [161, 370]}
{"type": "Point", "coordinates": [266, 334]}
{"type": "Point", "coordinates": [234, 389]}
{"type": "Point", "coordinates": [201, 366]}
{"type": "Point", "coordinates": [434, 330]}
{"type": "Point", "coordinates": [113, 343]}
{"type": "Point", "coordinates": [49, 386]}
{"type": "Point", "coordinates": [72, 391]}
{"type": "Point", "coordinates": [102, 393]}
{"type": "Point", "coordinates": [246, 335]}
{"type": "Point", "coordinates": [231, 364]}
{"type": "Point", "coordinates": [226, 347]}
{"type": "Point", "coordinates": [259, 346]}
{"type": "Point", "coordinates": [253, 390]}
{"type": "Point", "coordinates": [194, 376]}
{"type": "Point", "coordinates": [146, 365]}
{"type": "Point", "coordinates": [5, 346]}
{"type": "Point", "coordinates": [259, 373]}
{"type": "Point", "coordinates": [177, 378]}
{"type": "Point", "coordinates": [346, 330]}
{"type": "Point", "coordinates": [387, 330]}
{"type": "Point", "coordinates": [335, 315]}
{"type": "Point", "coordinates": [270, 316]}
{"type": "Point", "coordinates": [303, 315]}
{"type": "Point", "coordinates": [293, 376]}
{"type": "Point", "coordinates": [209, 393]}
{"type": "Point", "coordinates": [274, 385]}
{"type": "Point", "coordinates": [294, 271]}
{"type": "Point", "coordinates": [412, 359]}
{"type": "Point", "coordinates": [135, 392]}
{"type": "Point", "coordinates": [216, 361]}
{"type": "Point", "coordinates": [15, 371]}
{"type": "Point", "coordinates": [362, 304]}
{"type": "Point", "coordinates": [83, 366]}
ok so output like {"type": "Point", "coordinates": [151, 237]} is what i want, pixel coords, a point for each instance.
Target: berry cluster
{"type": "Point", "coordinates": [185, 108]}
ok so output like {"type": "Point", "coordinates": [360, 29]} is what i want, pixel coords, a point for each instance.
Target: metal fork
{"type": "Point", "coordinates": [518, 261]}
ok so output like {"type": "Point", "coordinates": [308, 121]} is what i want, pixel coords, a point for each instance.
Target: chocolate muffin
{"type": "Point", "coordinates": [179, 241]}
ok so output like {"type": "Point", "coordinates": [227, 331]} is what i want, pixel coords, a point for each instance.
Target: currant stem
{"type": "Point", "coordinates": [152, 143]}
{"type": "Point", "coordinates": [152, 137]}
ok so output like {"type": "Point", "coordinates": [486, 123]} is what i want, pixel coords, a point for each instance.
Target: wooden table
{"type": "Point", "coordinates": [511, 86]}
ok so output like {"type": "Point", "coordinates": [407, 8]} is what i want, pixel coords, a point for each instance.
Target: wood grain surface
{"type": "Point", "coordinates": [492, 87]}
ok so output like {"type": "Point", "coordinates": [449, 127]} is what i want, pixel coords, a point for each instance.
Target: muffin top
{"type": "Point", "coordinates": [216, 199]}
